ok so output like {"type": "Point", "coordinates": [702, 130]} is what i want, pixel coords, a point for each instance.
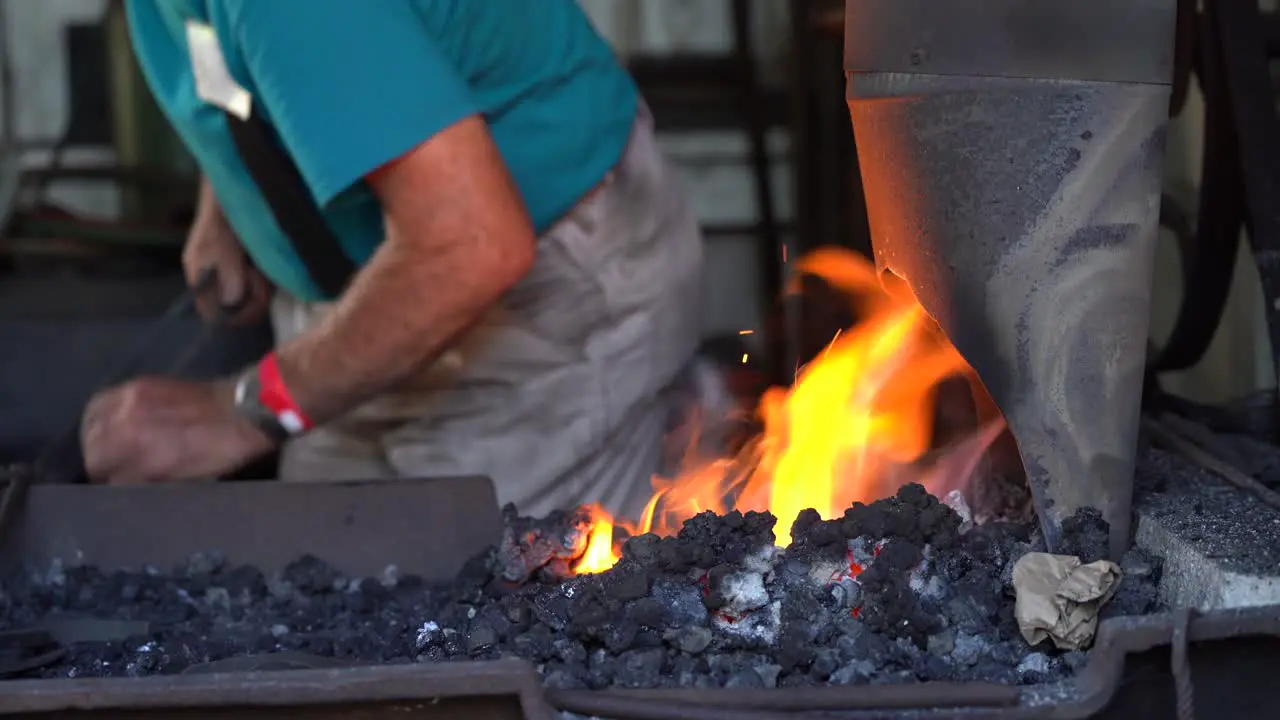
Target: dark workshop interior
{"type": "Point", "coordinates": [986, 423]}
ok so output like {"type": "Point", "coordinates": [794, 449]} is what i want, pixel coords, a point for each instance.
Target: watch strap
{"type": "Point", "coordinates": [275, 396]}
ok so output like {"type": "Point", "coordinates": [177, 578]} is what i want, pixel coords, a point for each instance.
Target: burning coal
{"type": "Point", "coordinates": [856, 425]}
{"type": "Point", "coordinates": [891, 591]}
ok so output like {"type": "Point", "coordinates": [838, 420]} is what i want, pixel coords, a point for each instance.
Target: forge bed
{"type": "Point", "coordinates": [431, 528]}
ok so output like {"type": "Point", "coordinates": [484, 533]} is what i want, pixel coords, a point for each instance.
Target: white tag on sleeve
{"type": "Point", "coordinates": [214, 83]}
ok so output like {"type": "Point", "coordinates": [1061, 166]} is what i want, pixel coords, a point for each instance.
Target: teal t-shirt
{"type": "Point", "coordinates": [350, 85]}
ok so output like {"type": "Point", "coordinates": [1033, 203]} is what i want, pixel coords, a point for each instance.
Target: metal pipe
{"type": "Point", "coordinates": [1011, 153]}
{"type": "Point", "coordinates": [8, 109]}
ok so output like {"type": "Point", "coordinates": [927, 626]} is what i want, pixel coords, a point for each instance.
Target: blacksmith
{"type": "Point", "coordinates": [475, 257]}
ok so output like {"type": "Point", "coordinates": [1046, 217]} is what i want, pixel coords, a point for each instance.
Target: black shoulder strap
{"type": "Point", "coordinates": [295, 211]}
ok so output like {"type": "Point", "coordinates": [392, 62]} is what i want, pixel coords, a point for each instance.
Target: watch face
{"type": "Point", "coordinates": [242, 387]}
{"type": "Point", "coordinates": [249, 405]}
{"type": "Point", "coordinates": [247, 402]}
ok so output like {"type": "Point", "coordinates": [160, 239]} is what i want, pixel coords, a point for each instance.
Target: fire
{"type": "Point", "coordinates": [599, 555]}
{"type": "Point", "coordinates": [855, 418]}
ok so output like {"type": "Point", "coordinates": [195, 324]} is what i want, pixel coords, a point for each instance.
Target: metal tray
{"type": "Point", "coordinates": [430, 527]}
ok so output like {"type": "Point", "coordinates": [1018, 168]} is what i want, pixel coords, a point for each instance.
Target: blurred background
{"type": "Point", "coordinates": [96, 192]}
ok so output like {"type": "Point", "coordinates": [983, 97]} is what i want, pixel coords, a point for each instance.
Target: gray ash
{"type": "Point", "coordinates": [1085, 535]}
{"type": "Point", "coordinates": [890, 592]}
{"type": "Point", "coordinates": [207, 610]}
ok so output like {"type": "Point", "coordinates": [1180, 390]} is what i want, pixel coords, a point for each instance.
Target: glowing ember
{"type": "Point", "coordinates": [848, 430]}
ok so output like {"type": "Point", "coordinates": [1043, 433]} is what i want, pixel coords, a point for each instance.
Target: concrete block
{"type": "Point", "coordinates": [1220, 545]}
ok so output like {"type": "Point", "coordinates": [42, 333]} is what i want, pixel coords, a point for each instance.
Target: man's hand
{"type": "Point", "coordinates": [212, 243]}
{"type": "Point", "coordinates": [158, 430]}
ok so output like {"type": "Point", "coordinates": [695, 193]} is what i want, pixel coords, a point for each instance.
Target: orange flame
{"type": "Point", "coordinates": [599, 555]}
{"type": "Point", "coordinates": [855, 417]}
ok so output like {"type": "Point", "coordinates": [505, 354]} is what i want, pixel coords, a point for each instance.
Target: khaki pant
{"type": "Point", "coordinates": [562, 395]}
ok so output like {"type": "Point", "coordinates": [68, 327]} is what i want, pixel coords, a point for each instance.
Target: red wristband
{"type": "Point", "coordinates": [275, 397]}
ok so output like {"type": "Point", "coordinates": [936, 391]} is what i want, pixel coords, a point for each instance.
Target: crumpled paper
{"type": "Point", "coordinates": [1058, 598]}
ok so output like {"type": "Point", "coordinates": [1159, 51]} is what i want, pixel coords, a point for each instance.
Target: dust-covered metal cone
{"type": "Point", "coordinates": [1011, 152]}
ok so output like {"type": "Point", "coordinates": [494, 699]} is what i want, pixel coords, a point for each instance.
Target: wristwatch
{"type": "Point", "coordinates": [248, 403]}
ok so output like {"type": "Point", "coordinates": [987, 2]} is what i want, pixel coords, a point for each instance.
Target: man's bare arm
{"type": "Point", "coordinates": [458, 237]}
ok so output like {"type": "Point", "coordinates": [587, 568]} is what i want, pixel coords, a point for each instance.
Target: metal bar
{"type": "Point", "coordinates": [1165, 434]}
{"type": "Point", "coordinates": [425, 527]}
{"type": "Point", "coordinates": [804, 148]}
{"type": "Point", "coordinates": [8, 113]}
{"type": "Point", "coordinates": [10, 182]}
{"type": "Point", "coordinates": [884, 697]}
{"type": "Point", "coordinates": [772, 249]}
{"type": "Point", "coordinates": [497, 690]}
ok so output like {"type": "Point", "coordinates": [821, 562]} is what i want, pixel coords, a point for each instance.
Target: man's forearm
{"type": "Point", "coordinates": [378, 335]}
{"type": "Point", "coordinates": [458, 237]}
